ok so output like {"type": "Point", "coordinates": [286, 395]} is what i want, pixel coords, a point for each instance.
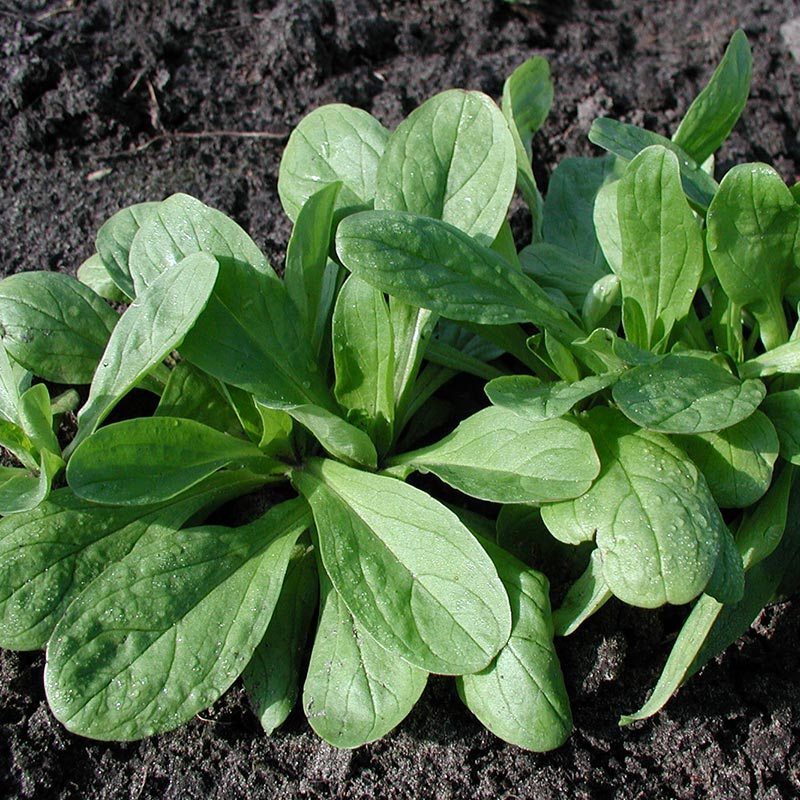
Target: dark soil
{"type": "Point", "coordinates": [91, 94]}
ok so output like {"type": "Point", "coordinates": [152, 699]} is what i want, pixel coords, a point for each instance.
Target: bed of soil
{"type": "Point", "coordinates": [96, 99]}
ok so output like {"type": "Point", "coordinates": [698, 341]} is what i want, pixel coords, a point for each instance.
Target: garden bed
{"type": "Point", "coordinates": [101, 107]}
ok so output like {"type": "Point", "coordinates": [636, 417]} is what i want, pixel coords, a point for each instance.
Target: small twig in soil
{"type": "Point", "coordinates": [215, 134]}
{"type": "Point", "coordinates": [155, 111]}
{"type": "Point", "coordinates": [67, 8]}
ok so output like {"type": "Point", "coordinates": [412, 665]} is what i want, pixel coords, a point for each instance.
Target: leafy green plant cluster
{"type": "Point", "coordinates": [641, 354]}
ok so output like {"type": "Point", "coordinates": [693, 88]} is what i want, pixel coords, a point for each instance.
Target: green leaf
{"type": "Point", "coordinates": [35, 445]}
{"type": "Point", "coordinates": [727, 581]}
{"type": "Point", "coordinates": [457, 361]}
{"type": "Point", "coordinates": [662, 247]}
{"type": "Point", "coordinates": [498, 456]}
{"type": "Point", "coordinates": [36, 419]}
{"type": "Point", "coordinates": [339, 438]}
{"type": "Point", "coordinates": [50, 554]}
{"type": "Point", "coordinates": [407, 569]}
{"type": "Point", "coordinates": [163, 633]}
{"type": "Point", "coordinates": [553, 267]}
{"type": "Point", "coordinates": [151, 459]}
{"type": "Point", "coordinates": [601, 300]}
{"type": "Point", "coordinates": [451, 159]}
{"type": "Point", "coordinates": [115, 238]}
{"type": "Point", "coordinates": [700, 638]}
{"type": "Point", "coordinates": [737, 462]}
{"type": "Point", "coordinates": [606, 224]}
{"type": "Point", "coordinates": [657, 527]}
{"type": "Point", "coordinates": [713, 113]}
{"type": "Point", "coordinates": [53, 325]}
{"type": "Point", "coordinates": [191, 394]}
{"type": "Point", "coordinates": [569, 205]}
{"type": "Point", "coordinates": [307, 260]}
{"type": "Point", "coordinates": [521, 696]}
{"type": "Point", "coordinates": [363, 359]}
{"type": "Point", "coordinates": [781, 360]}
{"type": "Point", "coordinates": [585, 597]}
{"type": "Point", "coordinates": [14, 380]}
{"type": "Point", "coordinates": [783, 410]}
{"type": "Point", "coordinates": [430, 264]}
{"type": "Point", "coordinates": [627, 141]}
{"type": "Point", "coordinates": [763, 525]}
{"type": "Point", "coordinates": [183, 226]}
{"type": "Point", "coordinates": [686, 393]}
{"type": "Point", "coordinates": [532, 400]}
{"type": "Point", "coordinates": [412, 328]}
{"type": "Point", "coordinates": [251, 336]}
{"type": "Point", "coordinates": [272, 678]}
{"type": "Point", "coordinates": [523, 97]}
{"type": "Point", "coordinates": [333, 143]}
{"type": "Point", "coordinates": [761, 584]}
{"type": "Point", "coordinates": [726, 328]}
{"type": "Point", "coordinates": [94, 274]}
{"type": "Point", "coordinates": [146, 333]}
{"type": "Point", "coordinates": [355, 691]}
{"type": "Point", "coordinates": [689, 642]}
{"type": "Point", "coordinates": [753, 227]}
{"type": "Point", "coordinates": [18, 443]}
{"type": "Point", "coordinates": [527, 98]}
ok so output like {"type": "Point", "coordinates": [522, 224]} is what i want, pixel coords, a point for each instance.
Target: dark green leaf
{"type": "Point", "coordinates": [272, 678]}
{"type": "Point", "coordinates": [527, 97]}
{"type": "Point", "coordinates": [554, 267]}
{"type": "Point", "coordinates": [251, 336]}
{"type": "Point", "coordinates": [431, 264]}
{"type": "Point", "coordinates": [627, 141]}
{"type": "Point", "coordinates": [148, 460]}
{"type": "Point", "coordinates": [726, 584]}
{"type": "Point", "coordinates": [191, 394]}
{"type": "Point", "coordinates": [783, 410]}
{"type": "Point", "coordinates": [527, 397]}
{"type": "Point", "coordinates": [569, 206]}
{"type": "Point", "coordinates": [713, 113]}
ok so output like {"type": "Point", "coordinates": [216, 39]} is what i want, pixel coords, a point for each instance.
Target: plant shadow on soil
{"type": "Point", "coordinates": [90, 97]}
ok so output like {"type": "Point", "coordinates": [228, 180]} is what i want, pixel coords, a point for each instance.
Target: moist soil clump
{"type": "Point", "coordinates": [104, 104]}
